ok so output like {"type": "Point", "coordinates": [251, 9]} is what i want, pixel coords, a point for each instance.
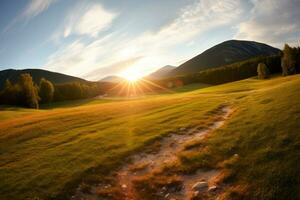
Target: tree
{"type": "Point", "coordinates": [46, 91]}
{"type": "Point", "coordinates": [288, 62]}
{"type": "Point", "coordinates": [10, 93]}
{"type": "Point", "coordinates": [29, 92]}
{"type": "Point", "coordinates": [262, 71]}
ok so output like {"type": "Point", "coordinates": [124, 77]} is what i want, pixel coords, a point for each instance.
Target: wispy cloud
{"type": "Point", "coordinates": [32, 9]}
{"type": "Point", "coordinates": [154, 49]}
{"type": "Point", "coordinates": [35, 7]}
{"type": "Point", "coordinates": [88, 20]}
{"type": "Point", "coordinates": [112, 69]}
{"type": "Point", "coordinates": [195, 19]}
{"type": "Point", "coordinates": [272, 21]}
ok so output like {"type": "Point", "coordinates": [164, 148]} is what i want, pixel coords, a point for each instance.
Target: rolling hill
{"type": "Point", "coordinates": [46, 154]}
{"type": "Point", "coordinates": [161, 73]}
{"type": "Point", "coordinates": [112, 79]}
{"type": "Point", "coordinates": [225, 53]}
{"type": "Point", "coordinates": [37, 74]}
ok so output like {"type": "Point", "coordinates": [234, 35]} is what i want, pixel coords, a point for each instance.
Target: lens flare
{"type": "Point", "coordinates": [131, 75]}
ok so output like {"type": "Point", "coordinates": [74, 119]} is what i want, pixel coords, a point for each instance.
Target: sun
{"type": "Point", "coordinates": [131, 75]}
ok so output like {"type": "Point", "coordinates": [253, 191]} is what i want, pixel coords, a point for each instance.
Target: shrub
{"type": "Point", "coordinates": [262, 71]}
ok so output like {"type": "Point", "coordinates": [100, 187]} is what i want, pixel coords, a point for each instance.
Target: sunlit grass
{"type": "Point", "coordinates": [48, 152]}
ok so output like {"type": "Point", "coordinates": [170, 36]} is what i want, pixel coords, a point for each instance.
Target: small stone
{"type": "Point", "coordinates": [212, 189]}
{"type": "Point", "coordinates": [196, 194]}
{"type": "Point", "coordinates": [124, 186]}
{"type": "Point", "coordinates": [167, 195]}
{"type": "Point", "coordinates": [236, 155]}
{"type": "Point", "coordinates": [107, 186]}
{"type": "Point", "coordinates": [182, 129]}
{"type": "Point", "coordinates": [200, 186]}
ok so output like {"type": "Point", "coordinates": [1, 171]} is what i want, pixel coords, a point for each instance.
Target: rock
{"type": "Point", "coordinates": [124, 186]}
{"type": "Point", "coordinates": [182, 129]}
{"type": "Point", "coordinates": [200, 186]}
{"type": "Point", "coordinates": [212, 189]}
{"type": "Point", "coordinates": [196, 194]}
{"type": "Point", "coordinates": [167, 195]}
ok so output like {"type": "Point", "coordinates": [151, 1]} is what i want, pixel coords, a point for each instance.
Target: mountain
{"type": "Point", "coordinates": [112, 79]}
{"type": "Point", "coordinates": [37, 74]}
{"type": "Point", "coordinates": [227, 52]}
{"type": "Point", "coordinates": [161, 73]}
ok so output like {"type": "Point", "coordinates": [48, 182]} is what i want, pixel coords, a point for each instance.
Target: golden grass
{"type": "Point", "coordinates": [45, 154]}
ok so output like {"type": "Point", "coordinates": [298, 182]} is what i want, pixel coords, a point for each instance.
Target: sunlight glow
{"type": "Point", "coordinates": [131, 75]}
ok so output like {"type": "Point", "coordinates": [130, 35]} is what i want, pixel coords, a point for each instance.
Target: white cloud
{"type": "Point", "coordinates": [35, 7]}
{"type": "Point", "coordinates": [153, 49]}
{"type": "Point", "coordinates": [32, 9]}
{"type": "Point", "coordinates": [91, 21]}
{"type": "Point", "coordinates": [272, 21]}
{"type": "Point", "coordinates": [79, 58]}
{"type": "Point", "coordinates": [195, 20]}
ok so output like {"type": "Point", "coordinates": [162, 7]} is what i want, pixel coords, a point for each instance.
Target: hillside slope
{"type": "Point", "coordinates": [161, 73]}
{"type": "Point", "coordinates": [112, 79]}
{"type": "Point", "coordinates": [46, 154]}
{"type": "Point", "coordinates": [223, 54]}
{"type": "Point", "coordinates": [37, 74]}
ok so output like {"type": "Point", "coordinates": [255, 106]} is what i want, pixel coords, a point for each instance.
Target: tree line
{"type": "Point", "coordinates": [233, 72]}
{"type": "Point", "coordinates": [287, 62]}
{"type": "Point", "coordinates": [28, 94]}
{"type": "Point", "coordinates": [290, 63]}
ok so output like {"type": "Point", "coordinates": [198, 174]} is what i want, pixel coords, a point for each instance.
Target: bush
{"type": "Point", "coordinates": [262, 71]}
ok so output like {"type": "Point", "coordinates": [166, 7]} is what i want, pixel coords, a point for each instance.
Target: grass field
{"type": "Point", "coordinates": [45, 154]}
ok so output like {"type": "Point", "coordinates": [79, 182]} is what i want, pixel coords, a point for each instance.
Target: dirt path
{"type": "Point", "coordinates": [146, 163]}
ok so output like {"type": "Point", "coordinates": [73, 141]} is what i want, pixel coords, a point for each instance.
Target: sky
{"type": "Point", "coordinates": [92, 39]}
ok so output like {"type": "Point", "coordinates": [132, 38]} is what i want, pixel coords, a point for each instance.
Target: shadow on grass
{"type": "Point", "coordinates": [70, 103]}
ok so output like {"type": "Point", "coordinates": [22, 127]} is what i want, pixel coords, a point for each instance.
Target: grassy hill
{"type": "Point", "coordinates": [37, 74]}
{"type": "Point", "coordinates": [161, 72]}
{"type": "Point", "coordinates": [45, 154]}
{"type": "Point", "coordinates": [112, 79]}
{"type": "Point", "coordinates": [225, 53]}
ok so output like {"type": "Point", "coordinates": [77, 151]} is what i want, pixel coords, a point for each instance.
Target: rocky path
{"type": "Point", "coordinates": [143, 164]}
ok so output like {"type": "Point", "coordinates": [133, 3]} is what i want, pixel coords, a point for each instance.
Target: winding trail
{"type": "Point", "coordinates": [145, 163]}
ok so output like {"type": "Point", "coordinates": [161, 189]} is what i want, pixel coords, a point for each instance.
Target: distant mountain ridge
{"type": "Point", "coordinates": [37, 74]}
{"type": "Point", "coordinates": [161, 73]}
{"type": "Point", "coordinates": [225, 53]}
{"type": "Point", "coordinates": [112, 79]}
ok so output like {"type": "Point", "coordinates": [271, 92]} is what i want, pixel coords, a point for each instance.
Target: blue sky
{"type": "Point", "coordinates": [96, 38]}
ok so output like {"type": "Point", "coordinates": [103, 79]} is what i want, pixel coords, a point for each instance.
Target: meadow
{"type": "Point", "coordinates": [45, 154]}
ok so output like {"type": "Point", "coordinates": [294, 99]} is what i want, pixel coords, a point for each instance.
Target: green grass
{"type": "Point", "coordinates": [264, 132]}
{"type": "Point", "coordinates": [46, 153]}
